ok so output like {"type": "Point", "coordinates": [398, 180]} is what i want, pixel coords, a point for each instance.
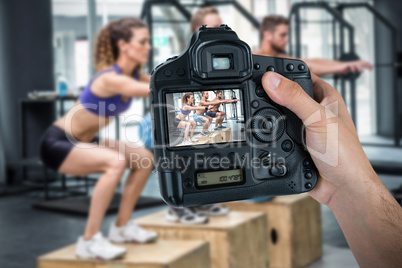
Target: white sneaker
{"type": "Point", "coordinates": [98, 247]}
{"type": "Point", "coordinates": [213, 210]}
{"type": "Point", "coordinates": [131, 232]}
{"type": "Point", "coordinates": [187, 142]}
{"type": "Point", "coordinates": [192, 139]}
{"type": "Point", "coordinates": [185, 216]}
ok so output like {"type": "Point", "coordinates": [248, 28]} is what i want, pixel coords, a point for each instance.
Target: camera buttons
{"type": "Point", "coordinates": [267, 125]}
{"type": "Point", "coordinates": [255, 104]}
{"type": "Point", "coordinates": [308, 175]}
{"type": "Point", "coordinates": [181, 72]}
{"type": "Point", "coordinates": [188, 184]}
{"type": "Point", "coordinates": [260, 92]}
{"type": "Point", "coordinates": [308, 185]}
{"type": "Point", "coordinates": [271, 69]}
{"type": "Point", "coordinates": [290, 67]}
{"type": "Point", "coordinates": [306, 163]}
{"type": "Point", "coordinates": [168, 73]}
{"type": "Point", "coordinates": [287, 145]}
{"type": "Point", "coordinates": [257, 66]}
{"type": "Point", "coordinates": [279, 170]}
{"type": "Point", "coordinates": [301, 67]}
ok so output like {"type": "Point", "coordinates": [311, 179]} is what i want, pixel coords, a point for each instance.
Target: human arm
{"type": "Point", "coordinates": [230, 101]}
{"type": "Point", "coordinates": [193, 108]}
{"type": "Point", "coordinates": [145, 78]}
{"type": "Point", "coordinates": [322, 67]}
{"type": "Point", "coordinates": [369, 216]}
{"type": "Point", "coordinates": [120, 84]}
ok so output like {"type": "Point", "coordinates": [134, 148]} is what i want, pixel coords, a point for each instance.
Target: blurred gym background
{"type": "Point", "coordinates": [45, 61]}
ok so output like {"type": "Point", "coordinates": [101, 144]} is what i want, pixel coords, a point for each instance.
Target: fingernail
{"type": "Point", "coordinates": [273, 80]}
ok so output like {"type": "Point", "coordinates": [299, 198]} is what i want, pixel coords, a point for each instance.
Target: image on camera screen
{"type": "Point", "coordinates": [205, 117]}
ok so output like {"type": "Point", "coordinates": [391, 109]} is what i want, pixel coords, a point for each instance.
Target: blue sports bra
{"type": "Point", "coordinates": [111, 106]}
{"type": "Point", "coordinates": [185, 112]}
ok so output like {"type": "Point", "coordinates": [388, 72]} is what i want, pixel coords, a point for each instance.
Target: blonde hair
{"type": "Point", "coordinates": [197, 20]}
{"type": "Point", "coordinates": [106, 49]}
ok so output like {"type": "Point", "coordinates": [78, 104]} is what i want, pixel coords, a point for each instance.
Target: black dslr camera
{"type": "Point", "coordinates": [217, 135]}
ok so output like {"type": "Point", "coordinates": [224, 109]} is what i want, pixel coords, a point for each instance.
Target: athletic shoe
{"type": "Point", "coordinates": [98, 247]}
{"type": "Point", "coordinates": [204, 134]}
{"type": "Point", "coordinates": [217, 129]}
{"type": "Point", "coordinates": [213, 210]}
{"type": "Point", "coordinates": [208, 133]}
{"type": "Point", "coordinates": [131, 232]}
{"type": "Point", "coordinates": [221, 127]}
{"type": "Point", "coordinates": [187, 142]}
{"type": "Point", "coordinates": [185, 216]}
{"type": "Point", "coordinates": [192, 139]}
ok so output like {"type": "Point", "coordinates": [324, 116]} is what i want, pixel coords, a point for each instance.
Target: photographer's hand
{"type": "Point", "coordinates": [367, 213]}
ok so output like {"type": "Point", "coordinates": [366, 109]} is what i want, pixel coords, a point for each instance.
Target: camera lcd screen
{"type": "Point", "coordinates": [196, 118]}
{"type": "Point", "coordinates": [221, 62]}
{"type": "Point", "coordinates": [219, 177]}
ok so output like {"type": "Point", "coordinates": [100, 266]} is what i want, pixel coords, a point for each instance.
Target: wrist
{"type": "Point", "coordinates": [356, 187]}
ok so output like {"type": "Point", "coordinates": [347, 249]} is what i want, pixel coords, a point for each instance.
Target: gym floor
{"type": "Point", "coordinates": [29, 232]}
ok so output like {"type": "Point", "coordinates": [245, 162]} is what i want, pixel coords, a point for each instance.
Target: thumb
{"type": "Point", "coordinates": [290, 95]}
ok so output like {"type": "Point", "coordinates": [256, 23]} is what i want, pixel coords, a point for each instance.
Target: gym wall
{"type": "Point", "coordinates": [391, 10]}
{"type": "Point", "coordinates": [27, 64]}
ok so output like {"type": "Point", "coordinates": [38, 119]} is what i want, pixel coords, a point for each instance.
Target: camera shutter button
{"type": "Point", "coordinates": [167, 73]}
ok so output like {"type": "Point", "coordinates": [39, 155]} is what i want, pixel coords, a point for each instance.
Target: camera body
{"type": "Point", "coordinates": [267, 158]}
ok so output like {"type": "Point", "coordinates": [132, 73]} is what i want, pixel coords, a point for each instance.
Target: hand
{"type": "Point", "coordinates": [330, 134]}
{"type": "Point", "coordinates": [354, 67]}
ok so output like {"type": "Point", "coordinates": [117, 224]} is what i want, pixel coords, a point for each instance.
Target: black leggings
{"type": "Point", "coordinates": [55, 146]}
{"type": "Point", "coordinates": [176, 122]}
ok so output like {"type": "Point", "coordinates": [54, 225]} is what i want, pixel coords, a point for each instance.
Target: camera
{"type": "Point", "coordinates": [217, 135]}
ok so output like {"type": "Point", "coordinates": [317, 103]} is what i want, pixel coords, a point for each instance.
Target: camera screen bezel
{"type": "Point", "coordinates": [170, 90]}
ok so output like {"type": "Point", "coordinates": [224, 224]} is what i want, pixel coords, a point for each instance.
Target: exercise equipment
{"type": "Point", "coordinates": [162, 254]}
{"type": "Point", "coordinates": [343, 35]}
{"type": "Point", "coordinates": [237, 240]}
{"type": "Point", "coordinates": [183, 9]}
{"type": "Point", "coordinates": [292, 221]}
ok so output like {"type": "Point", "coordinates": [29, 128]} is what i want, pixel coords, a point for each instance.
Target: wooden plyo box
{"type": "Point", "coordinates": [215, 137]}
{"type": "Point", "coordinates": [199, 142]}
{"type": "Point", "coordinates": [294, 228]}
{"type": "Point", "coordinates": [226, 134]}
{"type": "Point", "coordinates": [162, 254]}
{"type": "Point", "coordinates": [237, 240]}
